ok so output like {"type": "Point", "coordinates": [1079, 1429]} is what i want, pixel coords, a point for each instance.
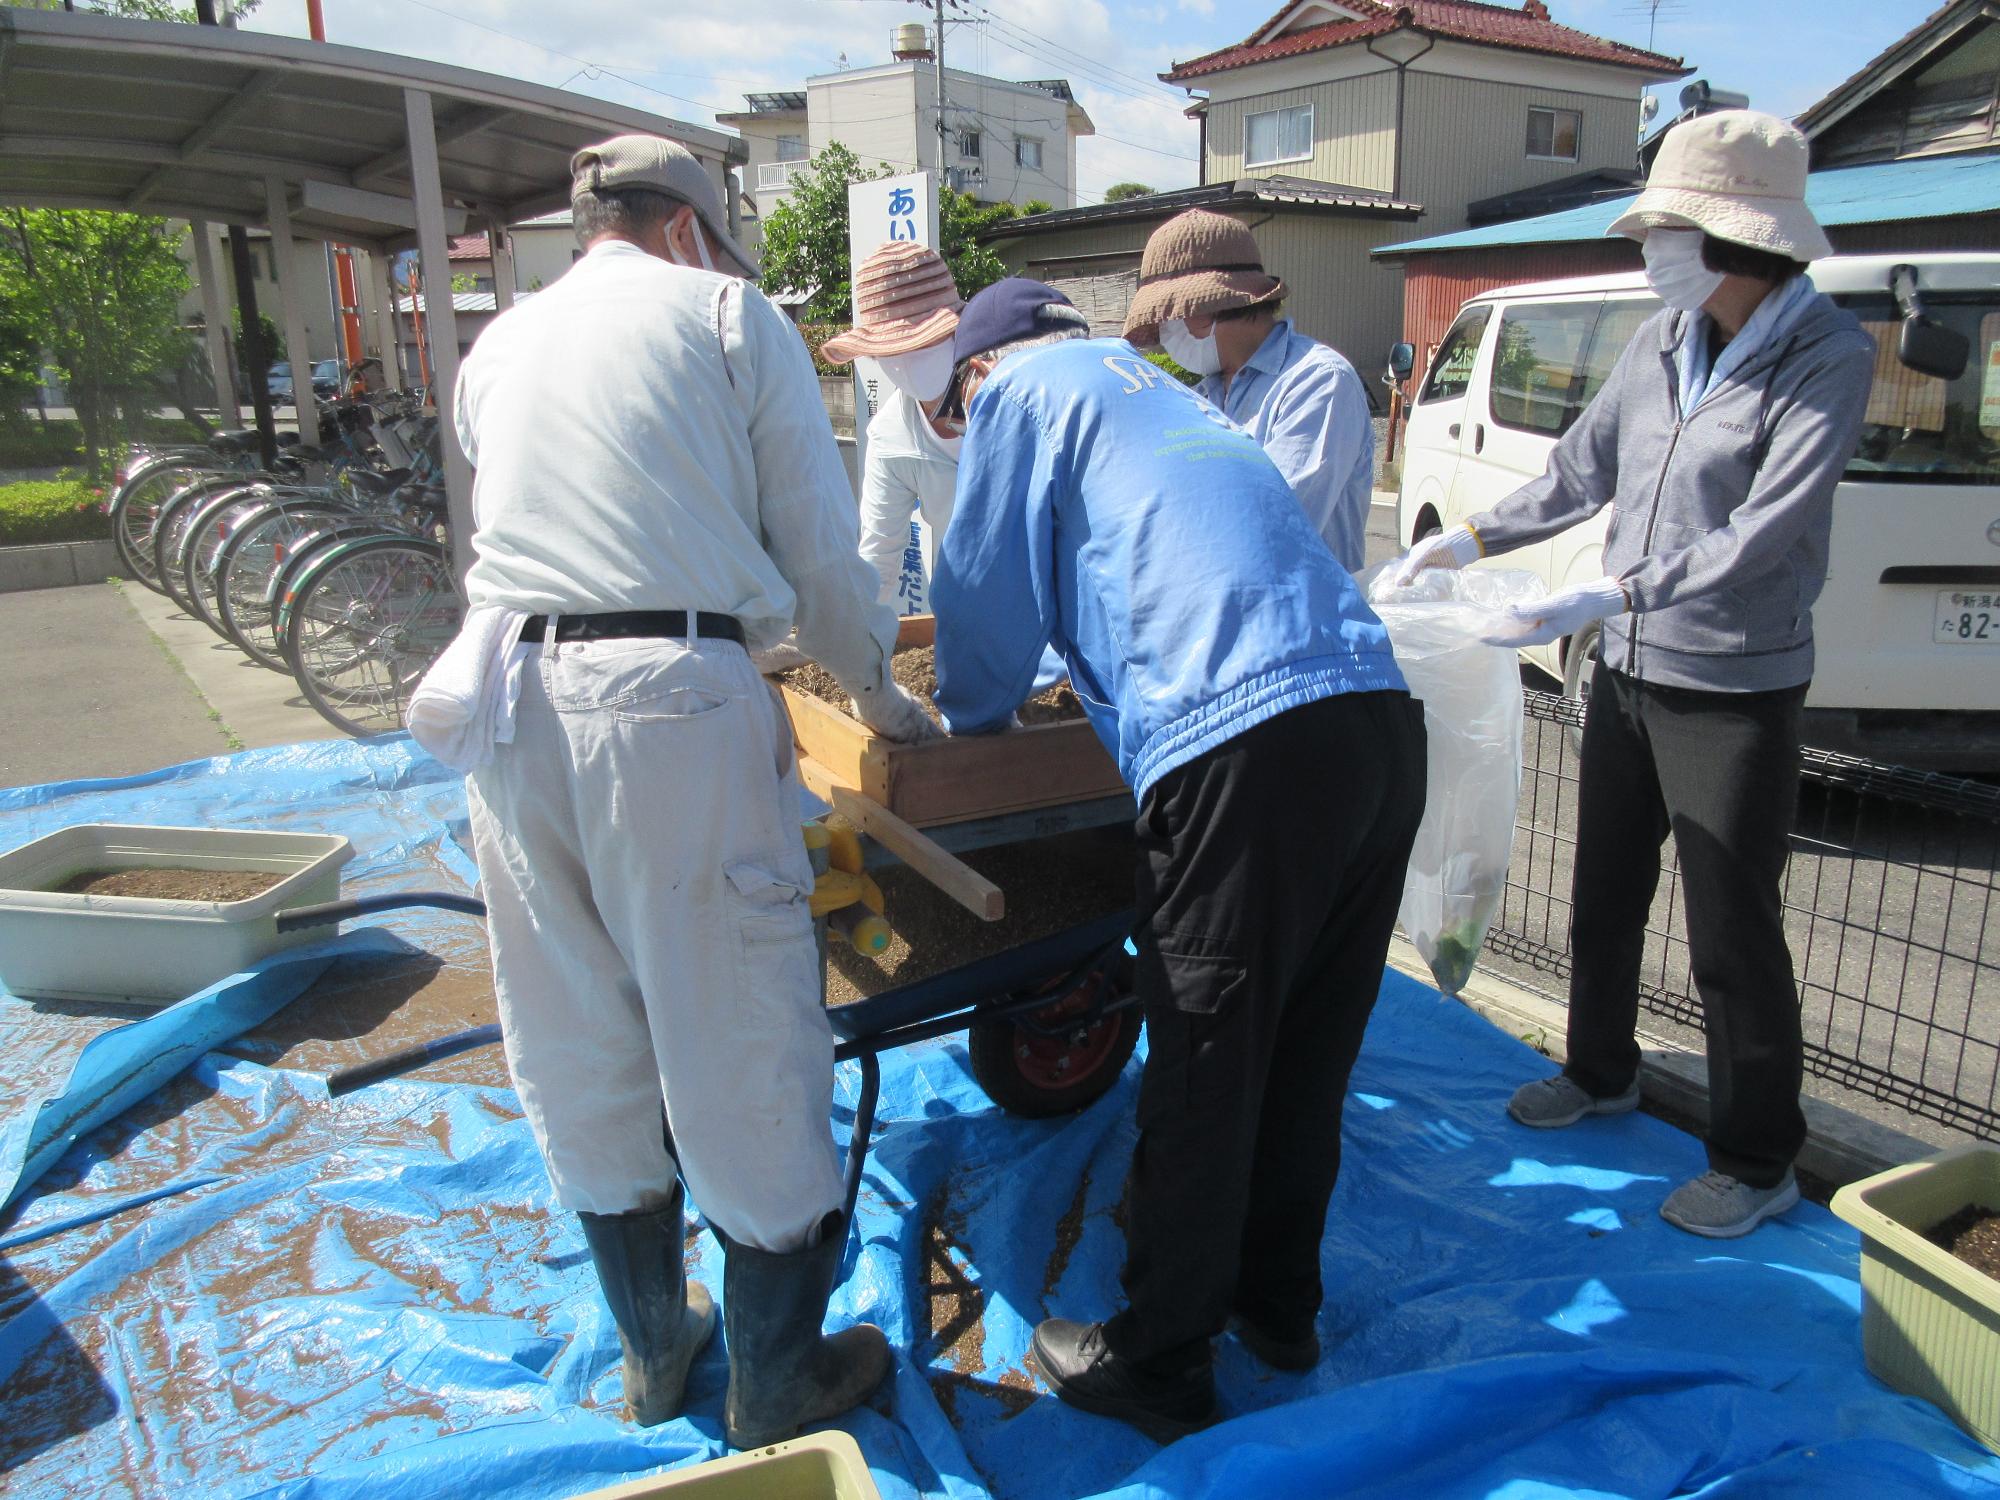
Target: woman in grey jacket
{"type": "Point", "coordinates": [1717, 441]}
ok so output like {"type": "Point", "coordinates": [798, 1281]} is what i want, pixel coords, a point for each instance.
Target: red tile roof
{"type": "Point", "coordinates": [1527, 29]}
{"type": "Point", "coordinates": [469, 247]}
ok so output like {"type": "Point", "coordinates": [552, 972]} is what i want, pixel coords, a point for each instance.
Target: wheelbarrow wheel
{"type": "Point", "coordinates": [1065, 1057]}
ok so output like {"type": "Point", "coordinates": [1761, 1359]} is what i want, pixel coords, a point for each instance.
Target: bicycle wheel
{"type": "Point", "coordinates": [254, 551]}
{"type": "Point", "coordinates": [169, 526]}
{"type": "Point", "coordinates": [368, 619]}
{"type": "Point", "coordinates": [291, 570]}
{"type": "Point", "coordinates": [134, 509]}
{"type": "Point", "coordinates": [201, 546]}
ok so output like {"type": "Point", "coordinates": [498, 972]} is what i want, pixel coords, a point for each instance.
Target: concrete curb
{"type": "Point", "coordinates": [1841, 1146]}
{"type": "Point", "coordinates": [57, 565]}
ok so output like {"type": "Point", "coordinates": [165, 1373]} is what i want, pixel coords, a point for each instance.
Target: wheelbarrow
{"type": "Point", "coordinates": [1049, 1023]}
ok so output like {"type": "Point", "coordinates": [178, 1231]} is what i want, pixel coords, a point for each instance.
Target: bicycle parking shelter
{"type": "Point", "coordinates": [306, 140]}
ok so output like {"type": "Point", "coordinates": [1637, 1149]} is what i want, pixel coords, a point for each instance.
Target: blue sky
{"type": "Point", "coordinates": [692, 58]}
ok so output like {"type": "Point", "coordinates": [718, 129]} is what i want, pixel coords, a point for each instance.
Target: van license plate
{"type": "Point", "coordinates": [1968, 617]}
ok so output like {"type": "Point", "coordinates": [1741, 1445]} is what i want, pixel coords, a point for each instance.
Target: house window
{"type": "Point", "coordinates": [1276, 135]}
{"type": "Point", "coordinates": [1553, 134]}
{"type": "Point", "coordinates": [968, 144]}
{"type": "Point", "coordinates": [1027, 153]}
{"type": "Point", "coordinates": [791, 148]}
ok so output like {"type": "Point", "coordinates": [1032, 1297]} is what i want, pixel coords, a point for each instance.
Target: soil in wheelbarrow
{"type": "Point", "coordinates": [1051, 884]}
{"type": "Point", "coordinates": [173, 884]}
{"type": "Point", "coordinates": [1973, 1235]}
{"type": "Point", "coordinates": [915, 667]}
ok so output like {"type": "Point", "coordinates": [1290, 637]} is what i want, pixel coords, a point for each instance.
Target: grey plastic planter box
{"type": "Point", "coordinates": [1930, 1323]}
{"type": "Point", "coordinates": [66, 946]}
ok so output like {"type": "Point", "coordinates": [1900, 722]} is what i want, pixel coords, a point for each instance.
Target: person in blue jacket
{"type": "Point", "coordinates": [1249, 695]}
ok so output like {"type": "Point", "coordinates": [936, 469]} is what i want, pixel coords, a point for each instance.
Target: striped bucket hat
{"type": "Point", "coordinates": [904, 300]}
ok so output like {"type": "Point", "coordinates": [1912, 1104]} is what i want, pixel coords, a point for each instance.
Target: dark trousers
{"type": "Point", "coordinates": [1721, 771]}
{"type": "Point", "coordinates": [1277, 862]}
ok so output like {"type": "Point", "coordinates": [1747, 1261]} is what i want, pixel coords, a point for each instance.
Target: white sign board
{"type": "Point", "coordinates": [891, 208]}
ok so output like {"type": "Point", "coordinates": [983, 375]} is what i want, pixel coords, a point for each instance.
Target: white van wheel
{"type": "Point", "coordinates": [1579, 662]}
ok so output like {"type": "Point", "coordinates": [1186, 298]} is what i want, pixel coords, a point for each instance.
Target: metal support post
{"type": "Point", "coordinates": [503, 263]}
{"type": "Point", "coordinates": [215, 325]}
{"type": "Point", "coordinates": [256, 358]}
{"type": "Point", "coordinates": [386, 333]}
{"type": "Point", "coordinates": [292, 298]}
{"type": "Point", "coordinates": [427, 193]}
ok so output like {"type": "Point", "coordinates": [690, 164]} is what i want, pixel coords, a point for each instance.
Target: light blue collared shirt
{"type": "Point", "coordinates": [1306, 405]}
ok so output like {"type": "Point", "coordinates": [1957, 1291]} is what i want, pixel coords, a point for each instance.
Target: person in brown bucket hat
{"type": "Point", "coordinates": [1205, 297]}
{"type": "Point", "coordinates": [905, 312]}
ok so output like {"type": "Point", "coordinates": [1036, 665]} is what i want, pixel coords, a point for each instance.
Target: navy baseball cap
{"type": "Point", "coordinates": [1005, 311]}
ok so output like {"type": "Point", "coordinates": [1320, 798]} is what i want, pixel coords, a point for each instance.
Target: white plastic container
{"type": "Point", "coordinates": [55, 945]}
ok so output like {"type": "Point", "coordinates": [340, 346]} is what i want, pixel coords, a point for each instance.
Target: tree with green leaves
{"type": "Point", "coordinates": [138, 10]}
{"type": "Point", "coordinates": [101, 293]}
{"type": "Point", "coordinates": [805, 236]}
{"type": "Point", "coordinates": [1118, 192]}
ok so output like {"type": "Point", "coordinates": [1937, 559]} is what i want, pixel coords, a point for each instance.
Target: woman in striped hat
{"type": "Point", "coordinates": [905, 312]}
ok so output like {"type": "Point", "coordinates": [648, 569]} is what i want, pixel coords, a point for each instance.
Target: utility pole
{"type": "Point", "coordinates": [937, 46]}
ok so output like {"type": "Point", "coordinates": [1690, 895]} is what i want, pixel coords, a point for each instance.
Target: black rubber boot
{"type": "Point", "coordinates": [783, 1371]}
{"type": "Point", "coordinates": [1082, 1369]}
{"type": "Point", "coordinates": [664, 1320]}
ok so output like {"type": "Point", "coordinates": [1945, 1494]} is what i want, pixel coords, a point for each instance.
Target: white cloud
{"type": "Point", "coordinates": [1199, 7]}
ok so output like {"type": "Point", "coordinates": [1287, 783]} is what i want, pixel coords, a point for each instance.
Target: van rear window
{"type": "Point", "coordinates": [1919, 429]}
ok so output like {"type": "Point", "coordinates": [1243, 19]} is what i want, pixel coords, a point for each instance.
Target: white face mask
{"type": "Point", "coordinates": [700, 249]}
{"type": "Point", "coordinates": [1674, 269]}
{"type": "Point", "coordinates": [921, 374]}
{"type": "Point", "coordinates": [1197, 354]}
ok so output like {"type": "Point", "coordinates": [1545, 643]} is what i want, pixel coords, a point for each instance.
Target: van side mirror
{"type": "Point", "coordinates": [1402, 359]}
{"type": "Point", "coordinates": [1923, 345]}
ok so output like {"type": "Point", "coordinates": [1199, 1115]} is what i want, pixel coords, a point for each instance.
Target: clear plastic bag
{"type": "Point", "coordinates": [1471, 694]}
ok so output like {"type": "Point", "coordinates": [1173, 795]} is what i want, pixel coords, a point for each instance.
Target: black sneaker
{"type": "Point", "coordinates": [1280, 1353]}
{"type": "Point", "coordinates": [1081, 1369]}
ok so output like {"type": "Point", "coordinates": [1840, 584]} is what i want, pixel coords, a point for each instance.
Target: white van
{"type": "Point", "coordinates": [1908, 627]}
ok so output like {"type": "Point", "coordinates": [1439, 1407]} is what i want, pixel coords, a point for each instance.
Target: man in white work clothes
{"type": "Point", "coordinates": [657, 494]}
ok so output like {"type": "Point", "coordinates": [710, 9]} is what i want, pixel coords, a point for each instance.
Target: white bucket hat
{"type": "Point", "coordinates": [1738, 174]}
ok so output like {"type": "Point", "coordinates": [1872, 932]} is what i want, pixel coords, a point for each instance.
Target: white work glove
{"type": "Point", "coordinates": [1540, 621]}
{"type": "Point", "coordinates": [783, 657]}
{"type": "Point", "coordinates": [1456, 548]}
{"type": "Point", "coordinates": [892, 712]}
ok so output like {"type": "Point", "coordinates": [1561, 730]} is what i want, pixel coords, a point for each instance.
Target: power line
{"type": "Point", "coordinates": [1149, 84]}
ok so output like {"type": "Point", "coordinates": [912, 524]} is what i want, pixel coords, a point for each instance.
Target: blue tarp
{"type": "Point", "coordinates": [242, 1287]}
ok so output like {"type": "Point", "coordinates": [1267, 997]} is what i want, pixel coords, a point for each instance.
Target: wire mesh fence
{"type": "Point", "coordinates": [1890, 908]}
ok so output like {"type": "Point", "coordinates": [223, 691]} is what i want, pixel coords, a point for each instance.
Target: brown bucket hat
{"type": "Point", "coordinates": [1197, 262]}
{"type": "Point", "coordinates": [904, 299]}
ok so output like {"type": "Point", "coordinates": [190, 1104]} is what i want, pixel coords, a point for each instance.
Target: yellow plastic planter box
{"type": "Point", "coordinates": [1930, 1323]}
{"type": "Point", "coordinates": [69, 946]}
{"type": "Point", "coordinates": [820, 1466]}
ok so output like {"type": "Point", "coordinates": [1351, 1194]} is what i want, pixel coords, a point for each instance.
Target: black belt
{"type": "Point", "coordinates": [627, 624]}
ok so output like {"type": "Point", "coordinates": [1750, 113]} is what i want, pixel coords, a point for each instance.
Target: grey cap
{"type": "Point", "coordinates": [647, 161]}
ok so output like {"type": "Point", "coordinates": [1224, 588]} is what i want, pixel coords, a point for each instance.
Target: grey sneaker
{"type": "Point", "coordinates": [1719, 1207]}
{"type": "Point", "coordinates": [1550, 1103]}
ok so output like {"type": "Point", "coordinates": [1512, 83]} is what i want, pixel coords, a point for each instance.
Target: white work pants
{"type": "Point", "coordinates": [646, 885]}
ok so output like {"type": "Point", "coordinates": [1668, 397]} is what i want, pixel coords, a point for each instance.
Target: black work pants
{"type": "Point", "coordinates": [1273, 866]}
{"type": "Point", "coordinates": [1721, 771]}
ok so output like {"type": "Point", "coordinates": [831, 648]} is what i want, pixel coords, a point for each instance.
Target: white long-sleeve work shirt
{"type": "Point", "coordinates": [910, 469]}
{"type": "Point", "coordinates": [651, 436]}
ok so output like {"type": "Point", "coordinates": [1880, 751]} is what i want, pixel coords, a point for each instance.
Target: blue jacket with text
{"type": "Point", "coordinates": [1106, 510]}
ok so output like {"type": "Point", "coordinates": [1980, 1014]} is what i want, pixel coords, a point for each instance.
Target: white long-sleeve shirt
{"type": "Point", "coordinates": [909, 469]}
{"type": "Point", "coordinates": [651, 436]}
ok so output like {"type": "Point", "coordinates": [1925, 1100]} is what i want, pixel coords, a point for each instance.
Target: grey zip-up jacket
{"type": "Point", "coordinates": [1719, 521]}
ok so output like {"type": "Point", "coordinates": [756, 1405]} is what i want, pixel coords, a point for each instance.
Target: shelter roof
{"type": "Point", "coordinates": [1932, 187]}
{"type": "Point", "coordinates": [1299, 28]}
{"type": "Point", "coordinates": [1907, 53]}
{"type": "Point", "coordinates": [102, 113]}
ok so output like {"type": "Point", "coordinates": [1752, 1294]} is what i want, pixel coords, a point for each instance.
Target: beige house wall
{"type": "Point", "coordinates": [1465, 139]}
{"type": "Point", "coordinates": [874, 117]}
{"type": "Point", "coordinates": [541, 254]}
{"type": "Point", "coordinates": [1354, 133]}
{"type": "Point", "coordinates": [1335, 293]}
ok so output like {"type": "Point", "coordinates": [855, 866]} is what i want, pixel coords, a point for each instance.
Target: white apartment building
{"type": "Point", "coordinates": [1005, 142]}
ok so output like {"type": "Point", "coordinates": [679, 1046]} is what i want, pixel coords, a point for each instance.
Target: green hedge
{"type": "Point", "coordinates": [816, 334]}
{"type": "Point", "coordinates": [54, 510]}
{"type": "Point", "coordinates": [28, 443]}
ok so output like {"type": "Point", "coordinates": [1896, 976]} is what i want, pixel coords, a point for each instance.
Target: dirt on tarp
{"type": "Point", "coordinates": [1973, 1235]}
{"type": "Point", "coordinates": [915, 668]}
{"type": "Point", "coordinates": [172, 884]}
{"type": "Point", "coordinates": [955, 1312]}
